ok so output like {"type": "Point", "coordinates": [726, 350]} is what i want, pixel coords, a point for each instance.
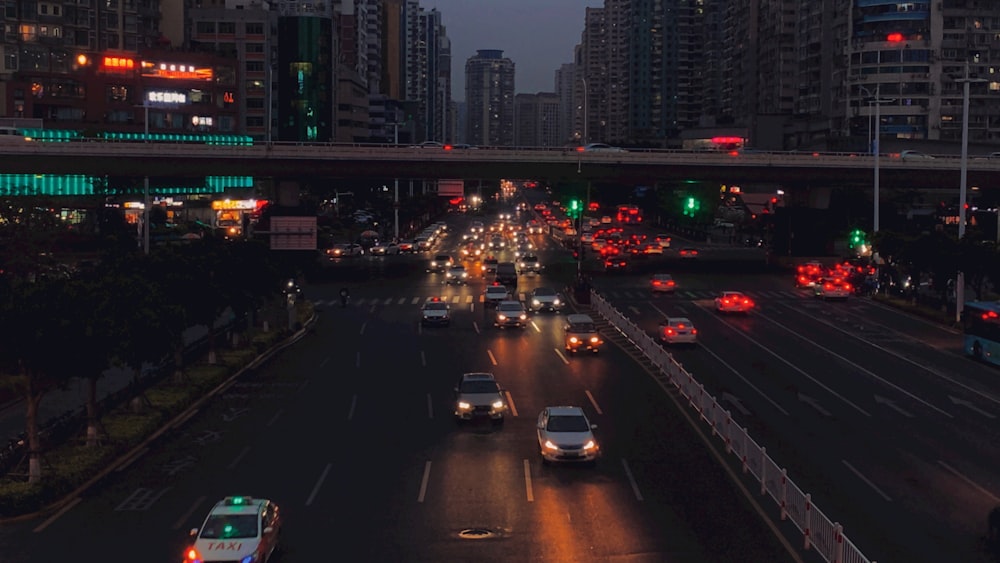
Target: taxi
{"type": "Point", "coordinates": [435, 312]}
{"type": "Point", "coordinates": [733, 302]}
{"type": "Point", "coordinates": [237, 528]}
{"type": "Point", "coordinates": [662, 283]}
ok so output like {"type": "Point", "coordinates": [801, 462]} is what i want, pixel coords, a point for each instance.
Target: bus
{"type": "Point", "coordinates": [981, 323]}
{"type": "Point", "coordinates": [629, 214]}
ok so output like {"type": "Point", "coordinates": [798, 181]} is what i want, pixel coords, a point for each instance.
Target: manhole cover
{"type": "Point", "coordinates": [475, 534]}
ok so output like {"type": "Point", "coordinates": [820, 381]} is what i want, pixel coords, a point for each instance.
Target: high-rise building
{"type": "Point", "coordinates": [537, 120]}
{"type": "Point", "coordinates": [489, 97]}
{"type": "Point", "coordinates": [565, 76]}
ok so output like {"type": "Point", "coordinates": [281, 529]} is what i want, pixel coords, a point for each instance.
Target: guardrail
{"type": "Point", "coordinates": [818, 531]}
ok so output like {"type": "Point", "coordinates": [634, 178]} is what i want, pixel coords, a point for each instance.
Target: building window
{"type": "Point", "coordinates": [255, 121]}
{"type": "Point", "coordinates": [117, 93]}
{"type": "Point", "coordinates": [28, 32]}
{"type": "Point", "coordinates": [10, 61]}
{"type": "Point", "coordinates": [205, 27]}
{"type": "Point", "coordinates": [255, 103]}
{"type": "Point", "coordinates": [255, 28]}
{"type": "Point", "coordinates": [225, 123]}
{"type": "Point", "coordinates": [255, 66]}
{"type": "Point", "coordinates": [227, 28]}
{"type": "Point", "coordinates": [255, 47]}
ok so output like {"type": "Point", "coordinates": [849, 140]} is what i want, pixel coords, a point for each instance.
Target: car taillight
{"type": "Point", "coordinates": [192, 555]}
{"type": "Point", "coordinates": [669, 331]}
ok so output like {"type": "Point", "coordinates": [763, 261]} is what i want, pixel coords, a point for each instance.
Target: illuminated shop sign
{"type": "Point", "coordinates": [202, 120]}
{"type": "Point", "coordinates": [161, 97]}
{"type": "Point", "coordinates": [177, 71]}
{"type": "Point", "coordinates": [117, 64]}
{"type": "Point", "coordinates": [230, 204]}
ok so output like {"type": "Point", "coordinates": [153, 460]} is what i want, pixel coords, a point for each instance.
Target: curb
{"type": "Point", "coordinates": [73, 497]}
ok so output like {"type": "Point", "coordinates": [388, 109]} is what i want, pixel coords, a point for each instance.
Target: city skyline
{"type": "Point", "coordinates": [546, 33]}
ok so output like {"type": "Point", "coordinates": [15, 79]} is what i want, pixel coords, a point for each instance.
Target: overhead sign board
{"type": "Point", "coordinates": [293, 233]}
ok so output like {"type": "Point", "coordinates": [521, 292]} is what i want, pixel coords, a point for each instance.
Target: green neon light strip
{"type": "Point", "coordinates": [80, 185]}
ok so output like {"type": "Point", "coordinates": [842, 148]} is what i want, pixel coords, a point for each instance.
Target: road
{"type": "Point", "coordinates": [351, 432]}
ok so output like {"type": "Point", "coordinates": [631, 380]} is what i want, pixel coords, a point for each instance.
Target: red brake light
{"type": "Point", "coordinates": [192, 554]}
{"type": "Point", "coordinates": [580, 149]}
{"type": "Point", "coordinates": [681, 325]}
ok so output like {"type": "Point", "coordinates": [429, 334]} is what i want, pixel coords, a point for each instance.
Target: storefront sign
{"type": "Point", "coordinates": [239, 204]}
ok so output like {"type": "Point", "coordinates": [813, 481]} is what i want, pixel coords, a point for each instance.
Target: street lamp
{"type": "Point", "coordinates": [584, 81]}
{"type": "Point", "coordinates": [960, 281]}
{"type": "Point", "coordinates": [877, 100]}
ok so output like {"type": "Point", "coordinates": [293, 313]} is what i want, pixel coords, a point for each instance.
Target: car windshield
{"type": "Point", "coordinates": [545, 292]}
{"type": "Point", "coordinates": [478, 386]}
{"type": "Point", "coordinates": [581, 327]}
{"type": "Point", "coordinates": [225, 526]}
{"type": "Point", "coordinates": [510, 307]}
{"type": "Point", "coordinates": [436, 306]}
{"type": "Point", "coordinates": [458, 269]}
{"type": "Point", "coordinates": [442, 258]}
{"type": "Point", "coordinates": [568, 423]}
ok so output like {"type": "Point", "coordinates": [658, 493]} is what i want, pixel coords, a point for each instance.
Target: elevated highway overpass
{"type": "Point", "coordinates": [293, 161]}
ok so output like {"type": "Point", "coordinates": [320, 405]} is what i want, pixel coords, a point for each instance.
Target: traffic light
{"type": "Point", "coordinates": [858, 238]}
{"type": "Point", "coordinates": [574, 209]}
{"type": "Point", "coordinates": [691, 206]}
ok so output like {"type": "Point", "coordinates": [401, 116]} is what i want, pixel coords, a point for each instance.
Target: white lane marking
{"type": "Point", "coordinates": [275, 417]}
{"type": "Point", "coordinates": [372, 310]}
{"type": "Point", "coordinates": [415, 301]}
{"type": "Point", "coordinates": [129, 461]}
{"type": "Point", "coordinates": [880, 400]}
{"type": "Point", "coordinates": [184, 517]}
{"type": "Point", "coordinates": [319, 483]}
{"type": "Point", "coordinates": [423, 359]}
{"type": "Point", "coordinates": [867, 482]}
{"type": "Point", "coordinates": [363, 325]}
{"type": "Point", "coordinates": [510, 403]}
{"type": "Point", "coordinates": [970, 406]}
{"type": "Point", "coordinates": [813, 403]}
{"type": "Point", "coordinates": [357, 362]}
{"type": "Point", "coordinates": [527, 481]}
{"type": "Point", "coordinates": [538, 330]}
{"type": "Point", "coordinates": [325, 361]}
{"type": "Point", "coordinates": [430, 407]}
{"type": "Point", "coordinates": [561, 356]}
{"type": "Point", "coordinates": [492, 357]}
{"type": "Point", "coordinates": [56, 516]}
{"type": "Point", "coordinates": [634, 309]}
{"type": "Point", "coordinates": [969, 482]}
{"type": "Point", "coordinates": [423, 482]}
{"type": "Point", "coordinates": [593, 401]}
{"type": "Point", "coordinates": [815, 381]}
{"type": "Point", "coordinates": [401, 301]}
{"type": "Point", "coordinates": [631, 480]}
{"type": "Point", "coordinates": [901, 357]}
{"type": "Point", "coordinates": [388, 301]}
{"type": "Point", "coordinates": [468, 299]}
{"type": "Point", "coordinates": [745, 380]}
{"type": "Point", "coordinates": [476, 326]}
{"type": "Point", "coordinates": [354, 404]}
{"type": "Point", "coordinates": [456, 299]}
{"type": "Point", "coordinates": [236, 461]}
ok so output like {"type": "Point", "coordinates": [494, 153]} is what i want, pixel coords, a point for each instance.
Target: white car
{"type": "Point", "coordinates": [600, 147]}
{"type": "Point", "coordinates": [511, 313]}
{"type": "Point", "coordinates": [478, 394]}
{"type": "Point", "coordinates": [662, 283]}
{"type": "Point", "coordinates": [345, 250]}
{"type": "Point", "coordinates": [457, 275]}
{"type": "Point", "coordinates": [915, 155]}
{"type": "Point", "coordinates": [495, 294]}
{"type": "Point", "coordinates": [435, 312]}
{"type": "Point", "coordinates": [832, 288]}
{"type": "Point", "coordinates": [546, 299]}
{"type": "Point", "coordinates": [237, 529]}
{"type": "Point", "coordinates": [678, 330]}
{"type": "Point", "coordinates": [384, 249]}
{"type": "Point", "coordinates": [566, 435]}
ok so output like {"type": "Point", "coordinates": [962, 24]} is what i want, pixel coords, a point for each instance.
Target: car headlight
{"type": "Point", "coordinates": [465, 274]}
{"type": "Point", "coordinates": [433, 264]}
{"type": "Point", "coordinates": [536, 302]}
{"type": "Point", "coordinates": [573, 340]}
{"type": "Point", "coordinates": [498, 404]}
{"type": "Point", "coordinates": [550, 446]}
{"type": "Point", "coordinates": [590, 445]}
{"type": "Point", "coordinates": [555, 301]}
{"type": "Point", "coordinates": [523, 316]}
{"type": "Point", "coordinates": [502, 317]}
{"type": "Point", "coordinates": [593, 340]}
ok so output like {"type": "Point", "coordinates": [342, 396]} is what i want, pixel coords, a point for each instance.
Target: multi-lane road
{"type": "Point", "coordinates": [874, 413]}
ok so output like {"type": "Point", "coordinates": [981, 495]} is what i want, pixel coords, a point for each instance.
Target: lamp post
{"type": "Point", "coordinates": [874, 137]}
{"type": "Point", "coordinates": [584, 82]}
{"type": "Point", "coordinates": [962, 195]}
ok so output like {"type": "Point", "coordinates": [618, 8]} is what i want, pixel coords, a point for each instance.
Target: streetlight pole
{"type": "Point", "coordinates": [962, 192]}
{"type": "Point", "coordinates": [584, 82]}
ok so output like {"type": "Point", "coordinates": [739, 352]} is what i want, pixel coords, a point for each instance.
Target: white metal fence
{"type": "Point", "coordinates": [818, 531]}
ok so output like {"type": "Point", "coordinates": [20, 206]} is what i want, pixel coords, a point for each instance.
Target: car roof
{"type": "Point", "coordinates": [565, 411]}
{"type": "Point", "coordinates": [510, 302]}
{"type": "Point", "coordinates": [478, 376]}
{"type": "Point", "coordinates": [232, 505]}
{"type": "Point", "coordinates": [732, 293]}
{"type": "Point", "coordinates": [578, 318]}
{"type": "Point", "coordinates": [673, 320]}
{"type": "Point", "coordinates": [663, 276]}
{"type": "Point", "coordinates": [544, 289]}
